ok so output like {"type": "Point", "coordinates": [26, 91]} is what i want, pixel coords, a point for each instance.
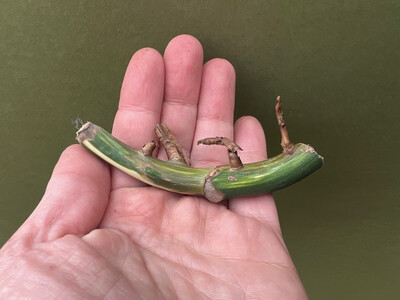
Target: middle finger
{"type": "Point", "coordinates": [183, 59]}
{"type": "Point", "coordinates": [215, 115]}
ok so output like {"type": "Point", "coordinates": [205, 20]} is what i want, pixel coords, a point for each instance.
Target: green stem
{"type": "Point", "coordinates": [217, 183]}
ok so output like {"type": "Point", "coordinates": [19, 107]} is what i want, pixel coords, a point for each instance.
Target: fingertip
{"type": "Point", "coordinates": [145, 60]}
{"type": "Point", "coordinates": [72, 151]}
{"type": "Point", "coordinates": [146, 68]}
{"type": "Point", "coordinates": [249, 122]}
{"type": "Point", "coordinates": [218, 89]}
{"type": "Point", "coordinates": [184, 42]}
{"type": "Point", "coordinates": [80, 170]}
{"type": "Point", "coordinates": [183, 60]}
{"type": "Point", "coordinates": [146, 53]}
{"type": "Point", "coordinates": [76, 159]}
{"type": "Point", "coordinates": [221, 68]}
{"type": "Point", "coordinates": [217, 96]}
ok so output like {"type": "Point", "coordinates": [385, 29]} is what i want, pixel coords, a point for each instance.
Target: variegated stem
{"type": "Point", "coordinates": [215, 183]}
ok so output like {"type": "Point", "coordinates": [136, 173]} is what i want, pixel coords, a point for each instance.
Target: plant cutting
{"type": "Point", "coordinates": [216, 183]}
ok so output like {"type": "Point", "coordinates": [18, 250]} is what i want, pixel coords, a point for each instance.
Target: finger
{"type": "Point", "coordinates": [183, 59]}
{"type": "Point", "coordinates": [139, 107]}
{"type": "Point", "coordinates": [249, 134]}
{"type": "Point", "coordinates": [215, 112]}
{"type": "Point", "coordinates": [75, 200]}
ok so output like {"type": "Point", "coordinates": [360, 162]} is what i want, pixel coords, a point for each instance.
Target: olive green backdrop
{"type": "Point", "coordinates": [335, 63]}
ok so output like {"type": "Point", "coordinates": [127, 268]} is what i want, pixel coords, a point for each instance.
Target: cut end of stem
{"type": "Point", "coordinates": [312, 150]}
{"type": "Point", "coordinates": [87, 132]}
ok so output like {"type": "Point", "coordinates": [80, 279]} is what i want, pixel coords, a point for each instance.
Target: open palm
{"type": "Point", "coordinates": [98, 233]}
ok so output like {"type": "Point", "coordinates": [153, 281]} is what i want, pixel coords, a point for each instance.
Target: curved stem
{"type": "Point", "coordinates": [217, 183]}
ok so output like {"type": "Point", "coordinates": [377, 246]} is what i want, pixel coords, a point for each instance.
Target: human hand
{"type": "Point", "coordinates": [98, 233]}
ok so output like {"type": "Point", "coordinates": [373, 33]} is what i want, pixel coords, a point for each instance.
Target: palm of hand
{"type": "Point", "coordinates": [151, 243]}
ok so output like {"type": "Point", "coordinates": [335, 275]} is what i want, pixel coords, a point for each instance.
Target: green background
{"type": "Point", "coordinates": [336, 65]}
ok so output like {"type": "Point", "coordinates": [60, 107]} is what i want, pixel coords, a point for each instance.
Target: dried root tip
{"type": "Point", "coordinates": [170, 144]}
{"type": "Point", "coordinates": [234, 159]}
{"type": "Point", "coordinates": [148, 149]}
{"type": "Point", "coordinates": [288, 147]}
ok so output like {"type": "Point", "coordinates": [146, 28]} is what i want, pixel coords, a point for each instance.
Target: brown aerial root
{"type": "Point", "coordinates": [288, 147]}
{"type": "Point", "coordinates": [175, 153]}
{"type": "Point", "coordinates": [170, 144]}
{"type": "Point", "coordinates": [148, 148]}
{"type": "Point", "coordinates": [234, 159]}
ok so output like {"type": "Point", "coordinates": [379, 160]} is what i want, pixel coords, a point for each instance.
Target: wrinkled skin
{"type": "Point", "coordinates": [98, 233]}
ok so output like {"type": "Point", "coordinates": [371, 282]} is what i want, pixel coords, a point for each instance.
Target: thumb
{"type": "Point", "coordinates": [75, 200]}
